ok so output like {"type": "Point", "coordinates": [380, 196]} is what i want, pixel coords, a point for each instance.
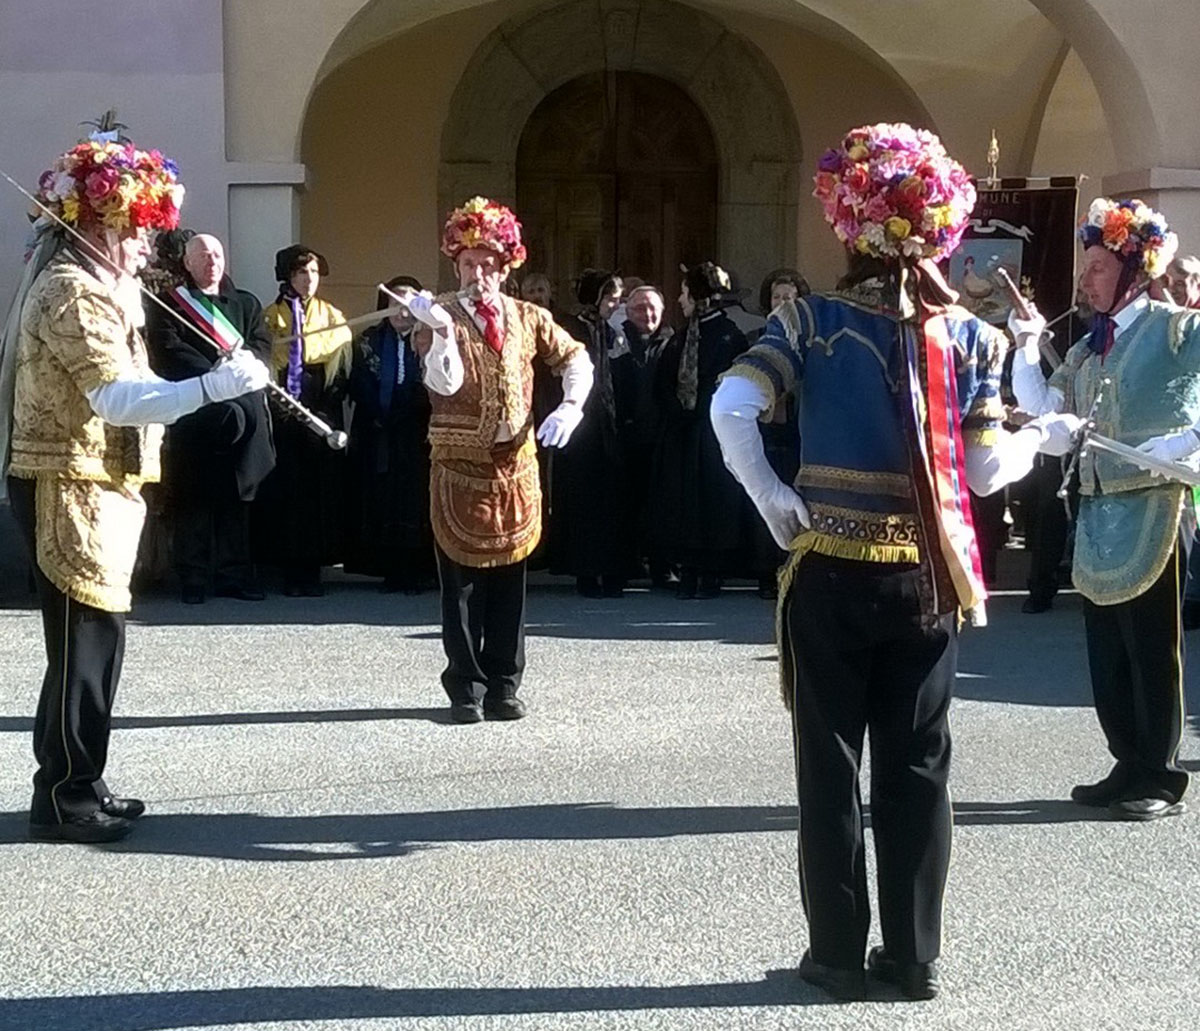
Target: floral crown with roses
{"type": "Point", "coordinates": [1133, 231]}
{"type": "Point", "coordinates": [484, 223]}
{"type": "Point", "coordinates": [892, 192]}
{"type": "Point", "coordinates": [111, 183]}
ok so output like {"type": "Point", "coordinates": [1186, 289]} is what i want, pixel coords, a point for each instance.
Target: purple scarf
{"type": "Point", "coordinates": [295, 366]}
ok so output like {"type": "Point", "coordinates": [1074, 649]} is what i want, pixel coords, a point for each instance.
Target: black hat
{"type": "Point", "coordinates": [291, 258]}
{"type": "Point", "coordinates": [707, 279]}
{"type": "Point", "coordinates": [382, 300]}
{"type": "Point", "coordinates": [592, 284]}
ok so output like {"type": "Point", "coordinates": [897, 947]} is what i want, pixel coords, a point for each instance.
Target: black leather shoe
{"type": "Point", "coordinates": [843, 984]}
{"type": "Point", "coordinates": [503, 708]}
{"type": "Point", "coordinates": [1036, 603]}
{"type": "Point", "coordinates": [915, 980]}
{"type": "Point", "coordinates": [125, 808]}
{"type": "Point", "coordinates": [242, 592]}
{"type": "Point", "coordinates": [1104, 792]}
{"type": "Point", "coordinates": [95, 828]}
{"type": "Point", "coordinates": [1143, 810]}
{"type": "Point", "coordinates": [466, 712]}
{"type": "Point", "coordinates": [192, 595]}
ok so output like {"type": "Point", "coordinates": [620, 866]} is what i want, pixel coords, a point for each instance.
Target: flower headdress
{"type": "Point", "coordinates": [892, 191]}
{"type": "Point", "coordinates": [109, 183]}
{"type": "Point", "coordinates": [1133, 231]}
{"type": "Point", "coordinates": [484, 223]}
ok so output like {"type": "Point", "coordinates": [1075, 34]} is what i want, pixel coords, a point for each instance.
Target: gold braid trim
{"type": "Point", "coordinates": [856, 481]}
{"type": "Point", "coordinates": [755, 376]}
{"type": "Point", "coordinates": [984, 438]}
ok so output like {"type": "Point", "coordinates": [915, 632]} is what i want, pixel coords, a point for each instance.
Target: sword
{"type": "Point", "coordinates": [1089, 426]}
{"type": "Point", "coordinates": [1160, 466]}
{"type": "Point", "coordinates": [336, 439]}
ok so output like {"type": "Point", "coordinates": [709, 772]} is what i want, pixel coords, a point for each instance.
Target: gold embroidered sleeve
{"type": "Point", "coordinates": [554, 344]}
{"type": "Point", "coordinates": [85, 332]}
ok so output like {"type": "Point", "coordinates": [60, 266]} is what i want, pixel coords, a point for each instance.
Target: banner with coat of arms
{"type": "Point", "coordinates": [1029, 230]}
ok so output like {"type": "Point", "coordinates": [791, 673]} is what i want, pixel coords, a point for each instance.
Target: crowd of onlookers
{"type": "Point", "coordinates": [641, 494]}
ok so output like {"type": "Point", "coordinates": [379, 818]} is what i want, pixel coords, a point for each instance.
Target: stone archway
{"type": "Point", "coordinates": [525, 59]}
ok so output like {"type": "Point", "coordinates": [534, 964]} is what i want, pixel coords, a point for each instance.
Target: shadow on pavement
{"type": "Point", "coordinates": [24, 724]}
{"type": "Point", "coordinates": [252, 836]}
{"type": "Point", "coordinates": [161, 1011]}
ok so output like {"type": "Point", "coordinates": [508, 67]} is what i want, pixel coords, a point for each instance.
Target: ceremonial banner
{"type": "Point", "coordinates": [1029, 230]}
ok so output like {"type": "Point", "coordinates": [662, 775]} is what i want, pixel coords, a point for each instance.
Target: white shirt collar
{"type": "Point", "coordinates": [1127, 315]}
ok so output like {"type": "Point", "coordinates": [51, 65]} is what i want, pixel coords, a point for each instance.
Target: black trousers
{"type": "Point", "coordinates": [1135, 654]}
{"type": "Point", "coordinates": [483, 629]}
{"type": "Point", "coordinates": [1046, 526]}
{"type": "Point", "coordinates": [863, 658]}
{"type": "Point", "coordinates": [84, 649]}
{"type": "Point", "coordinates": [212, 540]}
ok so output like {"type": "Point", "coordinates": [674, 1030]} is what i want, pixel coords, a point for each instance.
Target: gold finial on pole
{"type": "Point", "coordinates": [993, 158]}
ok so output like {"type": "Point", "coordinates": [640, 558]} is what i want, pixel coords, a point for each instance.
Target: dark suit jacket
{"type": "Point", "coordinates": [223, 450]}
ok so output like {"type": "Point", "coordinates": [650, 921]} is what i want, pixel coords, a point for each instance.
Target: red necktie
{"type": "Point", "coordinates": [491, 327]}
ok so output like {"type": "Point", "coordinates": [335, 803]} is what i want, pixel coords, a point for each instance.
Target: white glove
{"type": "Point", "coordinates": [241, 374]}
{"type": "Point", "coordinates": [1172, 447]}
{"type": "Point", "coordinates": [1027, 332]}
{"type": "Point", "coordinates": [424, 309]}
{"type": "Point", "coordinates": [1058, 432]}
{"type": "Point", "coordinates": [558, 426]}
{"type": "Point", "coordinates": [734, 411]}
{"type": "Point", "coordinates": [784, 512]}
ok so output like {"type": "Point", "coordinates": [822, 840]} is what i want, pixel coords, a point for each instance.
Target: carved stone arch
{"type": "Point", "coordinates": [732, 82]}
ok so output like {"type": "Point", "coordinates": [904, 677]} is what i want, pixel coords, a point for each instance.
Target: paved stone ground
{"type": "Point", "coordinates": [323, 851]}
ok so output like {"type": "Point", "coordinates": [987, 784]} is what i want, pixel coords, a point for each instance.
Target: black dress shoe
{"type": "Point", "coordinates": [1036, 603]}
{"type": "Point", "coordinates": [466, 712]}
{"type": "Point", "coordinates": [503, 708]}
{"type": "Point", "coordinates": [242, 592]}
{"type": "Point", "coordinates": [125, 808]}
{"type": "Point", "coordinates": [192, 595]}
{"type": "Point", "coordinates": [915, 980]}
{"type": "Point", "coordinates": [1143, 810]}
{"type": "Point", "coordinates": [843, 984]}
{"type": "Point", "coordinates": [95, 828]}
{"type": "Point", "coordinates": [1104, 792]}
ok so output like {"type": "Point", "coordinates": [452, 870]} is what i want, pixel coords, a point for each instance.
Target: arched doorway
{"type": "Point", "coordinates": [617, 170]}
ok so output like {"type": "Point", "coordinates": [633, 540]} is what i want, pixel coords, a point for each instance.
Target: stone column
{"type": "Point", "coordinates": [1173, 191]}
{"type": "Point", "coordinates": [264, 217]}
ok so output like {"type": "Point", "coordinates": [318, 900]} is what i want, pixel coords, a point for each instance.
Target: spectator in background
{"type": "Point", "coordinates": [592, 531]}
{"type": "Point", "coordinates": [537, 289]}
{"type": "Point", "coordinates": [215, 458]}
{"type": "Point", "coordinates": [700, 516]}
{"type": "Point", "coordinates": [303, 499]}
{"type": "Point", "coordinates": [1182, 281]}
{"type": "Point", "coordinates": [784, 284]}
{"type": "Point", "coordinates": [646, 335]}
{"type": "Point", "coordinates": [388, 532]}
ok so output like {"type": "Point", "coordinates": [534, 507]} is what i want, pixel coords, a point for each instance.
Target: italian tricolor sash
{"type": "Point", "coordinates": [956, 530]}
{"type": "Point", "coordinates": [208, 318]}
